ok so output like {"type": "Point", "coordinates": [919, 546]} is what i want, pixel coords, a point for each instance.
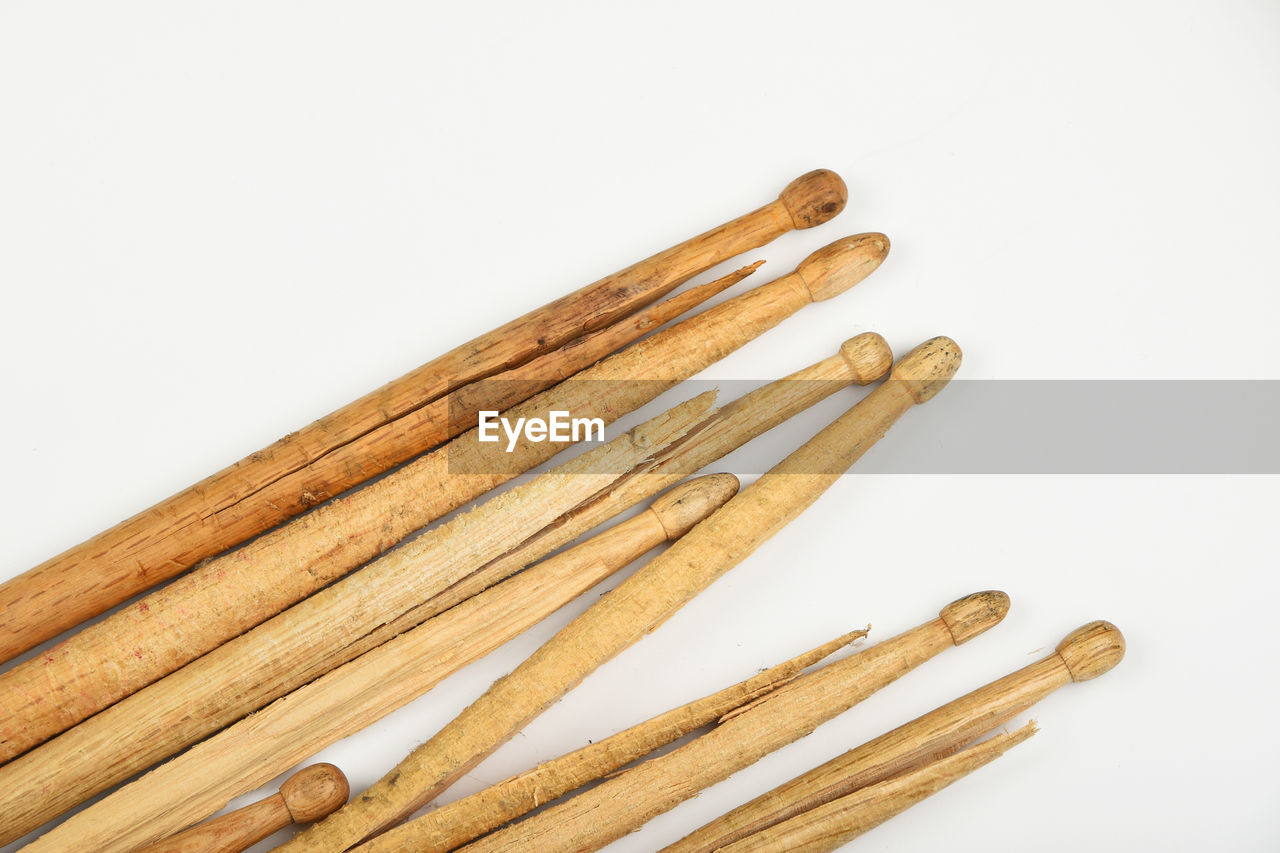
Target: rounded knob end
{"type": "Point", "coordinates": [868, 356]}
{"type": "Point", "coordinates": [928, 368]}
{"type": "Point", "coordinates": [1091, 650]}
{"type": "Point", "coordinates": [681, 507]}
{"type": "Point", "coordinates": [315, 792]}
{"type": "Point", "coordinates": [835, 268]}
{"type": "Point", "coordinates": [970, 616]}
{"type": "Point", "coordinates": [814, 197]}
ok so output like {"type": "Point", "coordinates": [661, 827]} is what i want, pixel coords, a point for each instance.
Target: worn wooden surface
{"type": "Point", "coordinates": [118, 656]}
{"type": "Point", "coordinates": [456, 823]}
{"type": "Point", "coordinates": [307, 466]}
{"type": "Point", "coordinates": [329, 628]}
{"type": "Point", "coordinates": [637, 606]}
{"type": "Point", "coordinates": [200, 781]}
{"type": "Point", "coordinates": [622, 804]}
{"type": "Point", "coordinates": [306, 796]}
{"type": "Point", "coordinates": [834, 824]}
{"type": "Point", "coordinates": [1085, 653]}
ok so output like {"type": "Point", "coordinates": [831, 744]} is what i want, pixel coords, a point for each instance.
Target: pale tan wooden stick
{"type": "Point", "coordinates": [862, 359]}
{"type": "Point", "coordinates": [332, 626]}
{"type": "Point", "coordinates": [259, 747]}
{"type": "Point", "coordinates": [94, 755]}
{"type": "Point", "coordinates": [1085, 653]}
{"type": "Point", "coordinates": [627, 801]}
{"type": "Point", "coordinates": [287, 477]}
{"type": "Point", "coordinates": [456, 823]}
{"type": "Point", "coordinates": [834, 824]}
{"type": "Point", "coordinates": [637, 606]}
{"type": "Point", "coordinates": [306, 796]}
{"type": "Point", "coordinates": [144, 642]}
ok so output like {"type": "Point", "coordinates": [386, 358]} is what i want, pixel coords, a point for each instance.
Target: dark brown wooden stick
{"type": "Point", "coordinates": [293, 474]}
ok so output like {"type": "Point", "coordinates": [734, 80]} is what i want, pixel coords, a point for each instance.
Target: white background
{"type": "Point", "coordinates": [220, 221]}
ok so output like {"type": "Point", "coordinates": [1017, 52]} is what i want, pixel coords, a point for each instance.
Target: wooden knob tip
{"type": "Point", "coordinates": [928, 368]}
{"type": "Point", "coordinates": [868, 356]}
{"type": "Point", "coordinates": [972, 615]}
{"type": "Point", "coordinates": [315, 792]}
{"type": "Point", "coordinates": [835, 268]}
{"type": "Point", "coordinates": [681, 507]}
{"type": "Point", "coordinates": [1091, 650]}
{"type": "Point", "coordinates": [814, 197]}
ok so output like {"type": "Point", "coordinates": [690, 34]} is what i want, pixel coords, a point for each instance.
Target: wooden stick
{"type": "Point", "coordinates": [637, 606]}
{"type": "Point", "coordinates": [627, 801]}
{"type": "Point", "coordinates": [267, 487]}
{"type": "Point", "coordinates": [94, 755]}
{"type": "Point", "coordinates": [259, 747]}
{"type": "Point", "coordinates": [136, 646]}
{"type": "Point", "coordinates": [306, 796]}
{"type": "Point", "coordinates": [861, 360]}
{"type": "Point", "coordinates": [832, 825]}
{"type": "Point", "coordinates": [456, 823]}
{"type": "Point", "coordinates": [334, 625]}
{"type": "Point", "coordinates": [1085, 653]}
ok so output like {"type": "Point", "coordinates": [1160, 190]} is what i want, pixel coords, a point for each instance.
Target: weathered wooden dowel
{"type": "Point", "coordinates": [333, 626]}
{"type": "Point", "coordinates": [306, 796]}
{"type": "Point", "coordinates": [627, 801]}
{"type": "Point", "coordinates": [456, 823]}
{"type": "Point", "coordinates": [142, 643]}
{"type": "Point", "coordinates": [1085, 653]}
{"type": "Point", "coordinates": [254, 750]}
{"type": "Point", "coordinates": [94, 755]}
{"type": "Point", "coordinates": [624, 802]}
{"type": "Point", "coordinates": [832, 825]}
{"type": "Point", "coordinates": [265, 488]}
{"type": "Point", "coordinates": [861, 360]}
{"type": "Point", "coordinates": [637, 606]}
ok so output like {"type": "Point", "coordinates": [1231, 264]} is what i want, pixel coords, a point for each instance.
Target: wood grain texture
{"type": "Point", "coordinates": [636, 607]}
{"type": "Point", "coordinates": [1085, 653]}
{"type": "Point", "coordinates": [89, 757]}
{"type": "Point", "coordinates": [306, 796]}
{"type": "Point", "coordinates": [326, 630]}
{"type": "Point", "coordinates": [456, 823]}
{"type": "Point", "coordinates": [626, 802]}
{"type": "Point", "coordinates": [231, 594]}
{"type": "Point", "coordinates": [832, 825]}
{"type": "Point", "coordinates": [362, 439]}
{"type": "Point", "coordinates": [242, 757]}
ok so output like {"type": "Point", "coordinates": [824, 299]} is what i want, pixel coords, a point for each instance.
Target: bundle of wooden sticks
{"type": "Point", "coordinates": [312, 621]}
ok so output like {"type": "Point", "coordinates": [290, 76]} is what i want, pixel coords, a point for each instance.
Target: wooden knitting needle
{"type": "Point", "coordinates": [743, 735]}
{"type": "Point", "coordinates": [245, 755]}
{"type": "Point", "coordinates": [306, 796]}
{"type": "Point", "coordinates": [265, 488]}
{"type": "Point", "coordinates": [637, 606]}
{"type": "Point", "coordinates": [834, 824]}
{"type": "Point", "coordinates": [1085, 653]}
{"type": "Point", "coordinates": [136, 646]}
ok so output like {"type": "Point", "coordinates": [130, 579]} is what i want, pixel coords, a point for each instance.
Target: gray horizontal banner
{"type": "Point", "coordinates": [1132, 427]}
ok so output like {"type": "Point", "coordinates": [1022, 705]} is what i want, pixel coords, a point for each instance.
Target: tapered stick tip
{"type": "Point", "coordinates": [681, 507]}
{"type": "Point", "coordinates": [315, 792]}
{"type": "Point", "coordinates": [970, 616]}
{"type": "Point", "coordinates": [835, 268]}
{"type": "Point", "coordinates": [814, 197]}
{"type": "Point", "coordinates": [928, 368]}
{"type": "Point", "coordinates": [1091, 650]}
{"type": "Point", "coordinates": [868, 356]}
